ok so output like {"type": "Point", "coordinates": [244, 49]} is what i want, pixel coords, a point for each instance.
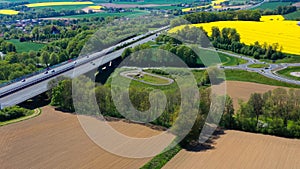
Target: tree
{"type": "Point", "coordinates": [229, 112]}
{"type": "Point", "coordinates": [53, 59]}
{"type": "Point", "coordinates": [256, 102]}
{"type": "Point", "coordinates": [62, 95]}
{"type": "Point", "coordinates": [45, 58]}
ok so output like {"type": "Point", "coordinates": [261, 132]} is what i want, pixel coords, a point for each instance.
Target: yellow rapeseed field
{"type": "Point", "coordinates": [217, 7]}
{"type": "Point", "coordinates": [58, 4]}
{"type": "Point", "coordinates": [285, 33]}
{"type": "Point", "coordinates": [8, 12]}
{"type": "Point", "coordinates": [96, 7]}
{"type": "Point", "coordinates": [271, 18]}
{"type": "Point", "coordinates": [218, 2]}
{"type": "Point", "coordinates": [215, 4]}
{"type": "Point", "coordinates": [197, 7]}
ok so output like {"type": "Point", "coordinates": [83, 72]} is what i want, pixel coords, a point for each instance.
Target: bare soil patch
{"type": "Point", "coordinates": [236, 150]}
{"type": "Point", "coordinates": [242, 90]}
{"type": "Point", "coordinates": [56, 140]}
{"type": "Point", "coordinates": [112, 5]}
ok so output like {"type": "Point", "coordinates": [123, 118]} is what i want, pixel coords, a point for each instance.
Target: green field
{"type": "Point", "coordinates": [105, 14]}
{"type": "Point", "coordinates": [293, 16]}
{"type": "Point", "coordinates": [258, 66]}
{"type": "Point", "coordinates": [152, 2]}
{"type": "Point", "coordinates": [286, 72]}
{"type": "Point", "coordinates": [166, 7]}
{"type": "Point", "coordinates": [272, 5]}
{"type": "Point", "coordinates": [26, 46]}
{"type": "Point", "coordinates": [63, 7]}
{"type": "Point", "coordinates": [37, 1]}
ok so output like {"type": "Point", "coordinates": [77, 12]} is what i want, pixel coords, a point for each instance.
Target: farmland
{"type": "Point", "coordinates": [293, 16]}
{"type": "Point", "coordinates": [263, 32]}
{"type": "Point", "coordinates": [106, 14]}
{"type": "Point", "coordinates": [26, 46]}
{"type": "Point", "coordinates": [243, 90]}
{"type": "Point", "coordinates": [29, 144]}
{"type": "Point", "coordinates": [272, 5]}
{"type": "Point", "coordinates": [271, 18]}
{"type": "Point", "coordinates": [215, 4]}
{"type": "Point", "coordinates": [237, 150]}
{"type": "Point", "coordinates": [8, 12]}
{"type": "Point", "coordinates": [62, 7]}
{"type": "Point", "coordinates": [58, 4]}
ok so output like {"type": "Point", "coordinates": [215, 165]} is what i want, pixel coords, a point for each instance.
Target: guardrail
{"type": "Point", "coordinates": [109, 50]}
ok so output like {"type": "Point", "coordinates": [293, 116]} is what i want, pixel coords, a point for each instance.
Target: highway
{"type": "Point", "coordinates": [21, 91]}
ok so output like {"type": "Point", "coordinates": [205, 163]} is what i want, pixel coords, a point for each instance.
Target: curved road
{"type": "Point", "coordinates": [270, 72]}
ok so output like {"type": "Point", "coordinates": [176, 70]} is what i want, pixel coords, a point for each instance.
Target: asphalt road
{"type": "Point", "coordinates": [30, 89]}
{"type": "Point", "coordinates": [270, 72]}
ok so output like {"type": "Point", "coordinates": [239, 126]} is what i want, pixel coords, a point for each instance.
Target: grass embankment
{"type": "Point", "coordinates": [35, 113]}
{"type": "Point", "coordinates": [245, 76]}
{"type": "Point", "coordinates": [26, 46]}
{"type": "Point", "coordinates": [287, 72]}
{"type": "Point", "coordinates": [154, 79]}
{"type": "Point", "coordinates": [258, 66]}
{"type": "Point", "coordinates": [230, 60]}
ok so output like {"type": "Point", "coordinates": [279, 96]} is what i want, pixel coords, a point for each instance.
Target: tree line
{"type": "Point", "coordinates": [274, 112]}
{"type": "Point", "coordinates": [241, 15]}
{"type": "Point", "coordinates": [280, 10]}
{"type": "Point", "coordinates": [229, 39]}
{"type": "Point", "coordinates": [62, 97]}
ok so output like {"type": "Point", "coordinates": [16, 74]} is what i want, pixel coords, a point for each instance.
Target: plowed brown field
{"type": "Point", "coordinates": [236, 150]}
{"type": "Point", "coordinates": [56, 140]}
{"type": "Point", "coordinates": [243, 90]}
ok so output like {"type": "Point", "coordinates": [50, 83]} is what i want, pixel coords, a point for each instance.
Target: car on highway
{"type": "Point", "coordinates": [46, 72]}
{"type": "Point", "coordinates": [23, 80]}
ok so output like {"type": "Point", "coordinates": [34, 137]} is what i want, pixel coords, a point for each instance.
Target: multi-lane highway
{"type": "Point", "coordinates": [21, 91]}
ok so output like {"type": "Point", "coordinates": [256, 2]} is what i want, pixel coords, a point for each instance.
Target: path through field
{"type": "Point", "coordinates": [236, 150]}
{"type": "Point", "coordinates": [56, 140]}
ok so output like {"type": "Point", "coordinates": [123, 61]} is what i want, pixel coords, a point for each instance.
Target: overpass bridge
{"type": "Point", "coordinates": [28, 88]}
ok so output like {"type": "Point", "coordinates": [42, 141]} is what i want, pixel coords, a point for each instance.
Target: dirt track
{"type": "Point", "coordinates": [56, 140]}
{"type": "Point", "coordinates": [236, 150]}
{"type": "Point", "coordinates": [243, 90]}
